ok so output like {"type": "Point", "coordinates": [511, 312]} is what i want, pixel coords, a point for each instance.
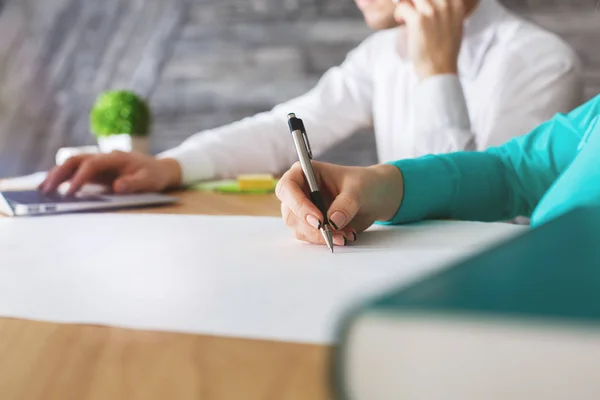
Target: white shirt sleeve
{"type": "Point", "coordinates": [339, 105]}
{"type": "Point", "coordinates": [442, 123]}
{"type": "Point", "coordinates": [526, 94]}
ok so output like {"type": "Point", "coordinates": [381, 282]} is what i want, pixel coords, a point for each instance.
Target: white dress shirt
{"type": "Point", "coordinates": [512, 76]}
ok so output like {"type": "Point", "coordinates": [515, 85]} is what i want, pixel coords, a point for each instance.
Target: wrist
{"type": "Point", "coordinates": [173, 173]}
{"type": "Point", "coordinates": [427, 71]}
{"type": "Point", "coordinates": [389, 191]}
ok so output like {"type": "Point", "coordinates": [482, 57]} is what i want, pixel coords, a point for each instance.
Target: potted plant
{"type": "Point", "coordinates": [121, 120]}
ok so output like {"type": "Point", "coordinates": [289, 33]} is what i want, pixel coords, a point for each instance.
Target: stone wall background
{"type": "Point", "coordinates": [202, 63]}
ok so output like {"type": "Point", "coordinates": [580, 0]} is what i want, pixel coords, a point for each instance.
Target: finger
{"type": "Point", "coordinates": [458, 9]}
{"type": "Point", "coordinates": [424, 7]}
{"type": "Point", "coordinates": [306, 233]}
{"type": "Point", "coordinates": [351, 234]}
{"type": "Point", "coordinates": [95, 166]}
{"type": "Point", "coordinates": [361, 224]}
{"type": "Point", "coordinates": [302, 230]}
{"type": "Point", "coordinates": [343, 209]}
{"type": "Point", "coordinates": [406, 12]}
{"type": "Point", "coordinates": [138, 182]}
{"type": "Point", "coordinates": [446, 9]}
{"type": "Point", "coordinates": [290, 190]}
{"type": "Point", "coordinates": [62, 173]}
{"type": "Point", "coordinates": [452, 10]}
{"type": "Point", "coordinates": [441, 5]}
{"type": "Point", "coordinates": [338, 239]}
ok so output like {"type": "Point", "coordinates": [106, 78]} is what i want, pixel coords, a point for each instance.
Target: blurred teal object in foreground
{"type": "Point", "coordinates": [120, 112]}
{"type": "Point", "coordinates": [522, 319]}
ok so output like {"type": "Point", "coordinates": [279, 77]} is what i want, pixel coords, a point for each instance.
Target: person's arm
{"type": "Point", "coordinates": [579, 185]}
{"type": "Point", "coordinates": [498, 184]}
{"type": "Point", "coordinates": [531, 87]}
{"type": "Point", "coordinates": [339, 105]}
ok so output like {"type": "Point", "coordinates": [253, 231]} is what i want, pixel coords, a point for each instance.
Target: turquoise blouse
{"type": "Point", "coordinates": [542, 175]}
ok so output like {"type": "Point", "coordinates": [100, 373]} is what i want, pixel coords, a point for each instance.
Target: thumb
{"type": "Point", "coordinates": [343, 210]}
{"type": "Point", "coordinates": [405, 12]}
{"type": "Point", "coordinates": [137, 182]}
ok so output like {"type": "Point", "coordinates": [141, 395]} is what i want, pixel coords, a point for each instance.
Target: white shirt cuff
{"type": "Point", "coordinates": [441, 106]}
{"type": "Point", "coordinates": [194, 167]}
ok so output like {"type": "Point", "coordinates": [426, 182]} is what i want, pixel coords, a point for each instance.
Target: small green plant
{"type": "Point", "coordinates": [120, 112]}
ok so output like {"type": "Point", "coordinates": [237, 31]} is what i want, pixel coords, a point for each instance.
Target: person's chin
{"type": "Point", "coordinates": [381, 24]}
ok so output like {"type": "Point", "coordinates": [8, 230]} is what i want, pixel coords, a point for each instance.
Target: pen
{"type": "Point", "coordinates": [305, 156]}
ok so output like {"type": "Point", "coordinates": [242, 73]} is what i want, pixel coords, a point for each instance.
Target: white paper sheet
{"type": "Point", "coordinates": [231, 276]}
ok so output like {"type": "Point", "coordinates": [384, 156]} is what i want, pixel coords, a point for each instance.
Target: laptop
{"type": "Point", "coordinates": [32, 202]}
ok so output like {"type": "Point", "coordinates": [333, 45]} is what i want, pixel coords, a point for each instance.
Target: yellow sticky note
{"type": "Point", "coordinates": [256, 182]}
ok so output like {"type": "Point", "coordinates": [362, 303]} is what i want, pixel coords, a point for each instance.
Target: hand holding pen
{"type": "Point", "coordinates": [359, 196]}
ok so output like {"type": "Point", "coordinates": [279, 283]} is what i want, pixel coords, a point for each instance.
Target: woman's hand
{"type": "Point", "coordinates": [358, 196]}
{"type": "Point", "coordinates": [435, 30]}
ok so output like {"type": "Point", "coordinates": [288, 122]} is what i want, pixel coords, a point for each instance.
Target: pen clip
{"type": "Point", "coordinates": [306, 142]}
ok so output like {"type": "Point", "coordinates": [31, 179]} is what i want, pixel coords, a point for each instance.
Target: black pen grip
{"type": "Point", "coordinates": [317, 199]}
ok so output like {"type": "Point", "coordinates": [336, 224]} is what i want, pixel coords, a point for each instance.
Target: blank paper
{"type": "Point", "coordinates": [231, 276]}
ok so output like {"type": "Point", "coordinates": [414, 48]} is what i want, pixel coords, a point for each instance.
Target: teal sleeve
{"type": "Point", "coordinates": [498, 184]}
{"type": "Point", "coordinates": [579, 185]}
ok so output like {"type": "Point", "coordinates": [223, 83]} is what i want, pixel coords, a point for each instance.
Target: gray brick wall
{"type": "Point", "coordinates": [202, 63]}
{"type": "Point", "coordinates": [235, 58]}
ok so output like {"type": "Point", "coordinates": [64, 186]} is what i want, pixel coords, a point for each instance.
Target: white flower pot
{"type": "Point", "coordinates": [123, 142]}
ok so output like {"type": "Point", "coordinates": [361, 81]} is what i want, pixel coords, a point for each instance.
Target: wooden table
{"type": "Point", "coordinates": [48, 361]}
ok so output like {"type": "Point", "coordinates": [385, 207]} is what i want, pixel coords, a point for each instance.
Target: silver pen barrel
{"type": "Point", "coordinates": [305, 156]}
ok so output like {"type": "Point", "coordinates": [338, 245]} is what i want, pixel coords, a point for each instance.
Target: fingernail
{"type": "Point", "coordinates": [355, 236]}
{"type": "Point", "coordinates": [349, 237]}
{"type": "Point", "coordinates": [313, 221]}
{"type": "Point", "coordinates": [339, 240]}
{"type": "Point", "coordinates": [337, 219]}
